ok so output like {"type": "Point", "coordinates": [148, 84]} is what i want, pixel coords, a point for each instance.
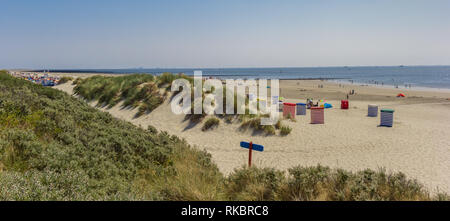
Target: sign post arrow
{"type": "Point", "coordinates": [251, 147]}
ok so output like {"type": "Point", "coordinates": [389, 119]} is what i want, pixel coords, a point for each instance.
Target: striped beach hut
{"type": "Point", "coordinates": [301, 109]}
{"type": "Point", "coordinates": [289, 110]}
{"type": "Point", "coordinates": [317, 115]}
{"type": "Point", "coordinates": [372, 110]}
{"type": "Point", "coordinates": [387, 117]}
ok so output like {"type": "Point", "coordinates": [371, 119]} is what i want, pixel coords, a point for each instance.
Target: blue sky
{"type": "Point", "coordinates": [200, 33]}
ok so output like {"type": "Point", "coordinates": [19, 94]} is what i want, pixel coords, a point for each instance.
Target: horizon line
{"type": "Point", "coordinates": [247, 67]}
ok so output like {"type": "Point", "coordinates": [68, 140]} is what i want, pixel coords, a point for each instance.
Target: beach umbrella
{"type": "Point", "coordinates": [401, 95]}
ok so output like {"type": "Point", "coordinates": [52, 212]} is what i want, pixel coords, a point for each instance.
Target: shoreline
{"type": "Point", "coordinates": [389, 86]}
{"type": "Point", "coordinates": [343, 81]}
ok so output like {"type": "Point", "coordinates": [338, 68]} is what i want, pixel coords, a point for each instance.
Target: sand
{"type": "Point", "coordinates": [418, 144]}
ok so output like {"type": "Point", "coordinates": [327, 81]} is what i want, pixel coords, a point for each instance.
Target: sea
{"type": "Point", "coordinates": [437, 77]}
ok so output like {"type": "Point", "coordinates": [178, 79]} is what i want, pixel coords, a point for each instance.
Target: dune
{"type": "Point", "coordinates": [418, 144]}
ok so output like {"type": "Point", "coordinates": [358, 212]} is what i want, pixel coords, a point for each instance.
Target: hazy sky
{"type": "Point", "coordinates": [226, 33]}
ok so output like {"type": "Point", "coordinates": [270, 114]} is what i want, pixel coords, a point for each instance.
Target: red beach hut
{"type": "Point", "coordinates": [317, 115]}
{"type": "Point", "coordinates": [289, 109]}
{"type": "Point", "coordinates": [344, 104]}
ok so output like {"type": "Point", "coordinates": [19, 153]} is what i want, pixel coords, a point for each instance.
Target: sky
{"type": "Point", "coordinates": [54, 34]}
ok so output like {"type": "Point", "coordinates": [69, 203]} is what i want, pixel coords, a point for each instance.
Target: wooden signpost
{"type": "Point", "coordinates": [250, 146]}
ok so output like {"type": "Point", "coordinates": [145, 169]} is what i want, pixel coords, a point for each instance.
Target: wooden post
{"type": "Point", "coordinates": [250, 154]}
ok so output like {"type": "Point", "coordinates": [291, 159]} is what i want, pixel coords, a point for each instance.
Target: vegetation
{"type": "Point", "coordinates": [285, 130]}
{"type": "Point", "coordinates": [278, 125]}
{"type": "Point", "coordinates": [255, 124]}
{"type": "Point", "coordinates": [323, 183]}
{"type": "Point", "coordinates": [210, 124]}
{"type": "Point", "coordinates": [76, 81]}
{"type": "Point", "coordinates": [56, 147]}
{"type": "Point", "coordinates": [65, 80]}
{"type": "Point", "coordinates": [166, 79]}
{"type": "Point", "coordinates": [136, 91]}
{"type": "Point", "coordinates": [142, 91]}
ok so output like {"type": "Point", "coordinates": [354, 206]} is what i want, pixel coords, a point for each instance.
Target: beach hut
{"type": "Point", "coordinates": [301, 109]}
{"type": "Point", "coordinates": [289, 110]}
{"type": "Point", "coordinates": [372, 110]}
{"type": "Point", "coordinates": [387, 117]}
{"type": "Point", "coordinates": [344, 104]}
{"type": "Point", "coordinates": [317, 115]}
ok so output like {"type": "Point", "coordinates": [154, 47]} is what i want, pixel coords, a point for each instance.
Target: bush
{"type": "Point", "coordinates": [152, 129]}
{"type": "Point", "coordinates": [255, 124]}
{"type": "Point", "coordinates": [167, 79]}
{"type": "Point", "coordinates": [65, 80]}
{"type": "Point", "coordinates": [323, 183]}
{"type": "Point", "coordinates": [306, 183]}
{"type": "Point", "coordinates": [254, 184]}
{"type": "Point", "coordinates": [76, 81]}
{"type": "Point", "coordinates": [285, 130]}
{"type": "Point", "coordinates": [210, 124]}
{"type": "Point", "coordinates": [278, 125]}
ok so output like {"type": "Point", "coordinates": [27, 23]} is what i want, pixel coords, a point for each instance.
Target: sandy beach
{"type": "Point", "coordinates": [418, 144]}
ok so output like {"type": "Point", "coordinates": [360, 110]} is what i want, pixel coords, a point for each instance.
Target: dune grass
{"type": "Point", "coordinates": [56, 147]}
{"type": "Point", "coordinates": [137, 91]}
{"type": "Point", "coordinates": [65, 80]}
{"type": "Point", "coordinates": [210, 124]}
{"type": "Point", "coordinates": [285, 130]}
{"type": "Point", "coordinates": [142, 91]}
{"type": "Point", "coordinates": [255, 124]}
{"type": "Point", "coordinates": [323, 184]}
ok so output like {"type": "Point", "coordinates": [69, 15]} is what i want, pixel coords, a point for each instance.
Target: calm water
{"type": "Point", "coordinates": [417, 76]}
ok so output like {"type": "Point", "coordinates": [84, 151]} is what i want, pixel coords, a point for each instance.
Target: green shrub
{"type": "Point", "coordinates": [278, 125]}
{"type": "Point", "coordinates": [152, 129]}
{"type": "Point", "coordinates": [76, 81]}
{"type": "Point", "coordinates": [306, 183]}
{"type": "Point", "coordinates": [255, 124]}
{"type": "Point", "coordinates": [210, 124]}
{"type": "Point", "coordinates": [250, 184]}
{"type": "Point", "coordinates": [167, 79]}
{"type": "Point", "coordinates": [65, 80]}
{"type": "Point", "coordinates": [285, 130]}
